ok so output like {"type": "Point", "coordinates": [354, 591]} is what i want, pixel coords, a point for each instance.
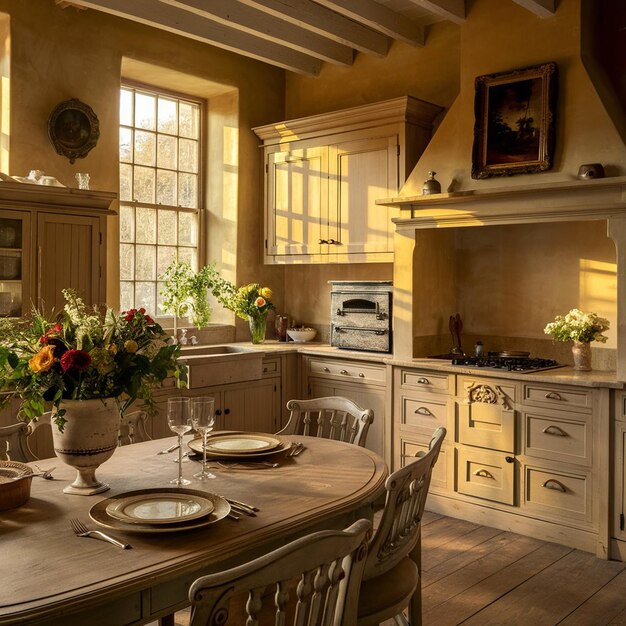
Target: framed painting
{"type": "Point", "coordinates": [514, 122]}
{"type": "Point", "coordinates": [73, 129]}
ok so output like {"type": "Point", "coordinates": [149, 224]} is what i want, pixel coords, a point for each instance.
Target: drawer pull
{"type": "Point", "coordinates": [554, 430]}
{"type": "Point", "coordinates": [423, 411]}
{"type": "Point", "coordinates": [361, 375]}
{"type": "Point", "coordinates": [423, 381]}
{"type": "Point", "coordinates": [326, 369]}
{"type": "Point", "coordinates": [553, 395]}
{"type": "Point", "coordinates": [265, 370]}
{"type": "Point", "coordinates": [345, 372]}
{"type": "Point", "coordinates": [552, 483]}
{"type": "Point", "coordinates": [483, 473]}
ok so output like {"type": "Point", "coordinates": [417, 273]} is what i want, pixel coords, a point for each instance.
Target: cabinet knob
{"type": "Point", "coordinates": [345, 372]}
{"type": "Point", "coordinates": [553, 395]}
{"type": "Point", "coordinates": [226, 411]}
{"type": "Point", "coordinates": [218, 412]}
{"type": "Point", "coordinates": [326, 369]}
{"type": "Point", "coordinates": [361, 375]}
{"type": "Point", "coordinates": [509, 459]}
{"type": "Point", "coordinates": [423, 381]}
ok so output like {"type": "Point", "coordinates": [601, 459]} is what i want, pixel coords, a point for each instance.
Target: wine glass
{"type": "Point", "coordinates": [179, 421]}
{"type": "Point", "coordinates": [203, 419]}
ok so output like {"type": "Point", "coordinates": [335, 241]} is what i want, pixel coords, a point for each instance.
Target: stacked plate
{"type": "Point", "coordinates": [160, 510]}
{"type": "Point", "coordinates": [241, 445]}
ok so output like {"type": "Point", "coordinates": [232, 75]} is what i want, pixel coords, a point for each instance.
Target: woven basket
{"type": "Point", "coordinates": [14, 493]}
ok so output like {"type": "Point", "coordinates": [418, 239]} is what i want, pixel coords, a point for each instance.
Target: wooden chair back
{"type": "Point", "coordinates": [328, 564]}
{"type": "Point", "coordinates": [14, 440]}
{"type": "Point", "coordinates": [333, 417]}
{"type": "Point", "coordinates": [399, 528]}
{"type": "Point", "coordinates": [133, 428]}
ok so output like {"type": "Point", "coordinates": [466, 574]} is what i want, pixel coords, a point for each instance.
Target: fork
{"type": "Point", "coordinates": [80, 530]}
{"type": "Point", "coordinates": [249, 465]}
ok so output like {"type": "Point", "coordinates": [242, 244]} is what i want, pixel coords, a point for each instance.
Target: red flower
{"type": "Point", "coordinates": [75, 360]}
{"type": "Point", "coordinates": [55, 330]}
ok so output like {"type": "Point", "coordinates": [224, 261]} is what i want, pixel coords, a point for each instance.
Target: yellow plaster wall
{"type": "Point", "coordinates": [58, 54]}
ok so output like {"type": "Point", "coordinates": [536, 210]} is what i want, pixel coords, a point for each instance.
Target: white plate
{"type": "Point", "coordinates": [160, 508]}
{"type": "Point", "coordinates": [99, 514]}
{"type": "Point", "coordinates": [252, 443]}
{"type": "Point", "coordinates": [196, 446]}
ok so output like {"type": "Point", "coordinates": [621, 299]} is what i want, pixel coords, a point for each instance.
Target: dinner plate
{"type": "Point", "coordinates": [160, 508]}
{"type": "Point", "coordinates": [10, 470]}
{"type": "Point", "coordinates": [242, 443]}
{"type": "Point", "coordinates": [196, 446]}
{"type": "Point", "coordinates": [98, 512]}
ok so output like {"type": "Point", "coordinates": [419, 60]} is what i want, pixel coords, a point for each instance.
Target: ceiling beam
{"type": "Point", "coordinates": [379, 18]}
{"type": "Point", "coordinates": [184, 23]}
{"type": "Point", "coordinates": [453, 10]}
{"type": "Point", "coordinates": [320, 20]}
{"type": "Point", "coordinates": [541, 8]}
{"type": "Point", "coordinates": [254, 22]}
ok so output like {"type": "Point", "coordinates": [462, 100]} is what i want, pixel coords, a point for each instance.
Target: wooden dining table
{"type": "Point", "coordinates": [51, 577]}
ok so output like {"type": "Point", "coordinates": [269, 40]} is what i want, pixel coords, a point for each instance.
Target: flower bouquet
{"type": "Point", "coordinates": [83, 355]}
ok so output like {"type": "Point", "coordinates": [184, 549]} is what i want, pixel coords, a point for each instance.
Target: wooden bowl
{"type": "Point", "coordinates": [14, 493]}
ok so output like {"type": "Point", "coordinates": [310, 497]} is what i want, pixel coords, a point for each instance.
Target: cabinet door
{"type": "Point", "coordinates": [362, 172]}
{"type": "Point", "coordinates": [233, 415]}
{"type": "Point", "coordinates": [261, 407]}
{"type": "Point", "coordinates": [68, 255]}
{"type": "Point", "coordinates": [15, 272]}
{"type": "Point", "coordinates": [619, 505]}
{"type": "Point", "coordinates": [297, 188]}
{"type": "Point", "coordinates": [365, 397]}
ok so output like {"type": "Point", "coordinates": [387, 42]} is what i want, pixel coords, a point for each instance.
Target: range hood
{"type": "Point", "coordinates": [497, 37]}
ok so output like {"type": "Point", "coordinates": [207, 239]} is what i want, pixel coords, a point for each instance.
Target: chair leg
{"type": "Point", "coordinates": [168, 620]}
{"type": "Point", "coordinates": [401, 620]}
{"type": "Point", "coordinates": [415, 605]}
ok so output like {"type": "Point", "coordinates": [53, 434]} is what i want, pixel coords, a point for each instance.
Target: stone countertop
{"type": "Point", "coordinates": [559, 376]}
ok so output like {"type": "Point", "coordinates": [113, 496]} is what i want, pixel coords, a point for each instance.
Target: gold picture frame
{"type": "Point", "coordinates": [73, 129]}
{"type": "Point", "coordinates": [514, 124]}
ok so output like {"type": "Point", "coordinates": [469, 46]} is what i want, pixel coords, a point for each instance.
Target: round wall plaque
{"type": "Point", "coordinates": [73, 129]}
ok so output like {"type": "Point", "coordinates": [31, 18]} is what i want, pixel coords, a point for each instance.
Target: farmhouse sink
{"type": "Point", "coordinates": [220, 365]}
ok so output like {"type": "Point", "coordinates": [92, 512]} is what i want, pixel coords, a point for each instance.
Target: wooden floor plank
{"type": "Point", "coordinates": [551, 595]}
{"type": "Point", "coordinates": [490, 590]}
{"type": "Point", "coordinates": [467, 543]}
{"type": "Point", "coordinates": [429, 517]}
{"type": "Point", "coordinates": [607, 606]}
{"type": "Point", "coordinates": [445, 530]}
{"type": "Point", "coordinates": [476, 571]}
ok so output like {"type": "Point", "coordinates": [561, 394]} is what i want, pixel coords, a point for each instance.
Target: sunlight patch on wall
{"type": "Point", "coordinates": [5, 92]}
{"type": "Point", "coordinates": [598, 292]}
{"type": "Point", "coordinates": [230, 158]}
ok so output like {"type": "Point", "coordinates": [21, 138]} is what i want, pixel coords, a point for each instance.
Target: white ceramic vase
{"type": "Point", "coordinates": [89, 438]}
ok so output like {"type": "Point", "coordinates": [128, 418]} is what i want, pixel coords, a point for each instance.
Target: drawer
{"type": "Point", "coordinates": [576, 398]}
{"type": "Point", "coordinates": [355, 371]}
{"type": "Point", "coordinates": [558, 437]}
{"type": "Point", "coordinates": [439, 479]}
{"type": "Point", "coordinates": [425, 413]}
{"type": "Point", "coordinates": [487, 390]}
{"type": "Point", "coordinates": [566, 496]}
{"type": "Point", "coordinates": [271, 367]}
{"type": "Point", "coordinates": [425, 381]}
{"type": "Point", "coordinates": [485, 474]}
{"type": "Point", "coordinates": [486, 426]}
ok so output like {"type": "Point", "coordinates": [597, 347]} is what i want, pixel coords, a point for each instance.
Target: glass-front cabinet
{"type": "Point", "coordinates": [15, 294]}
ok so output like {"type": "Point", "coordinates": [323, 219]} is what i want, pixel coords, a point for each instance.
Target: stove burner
{"type": "Point", "coordinates": [493, 360]}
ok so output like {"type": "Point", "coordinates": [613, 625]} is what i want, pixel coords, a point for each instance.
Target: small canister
{"type": "Point", "coordinates": [478, 348]}
{"type": "Point", "coordinates": [431, 185]}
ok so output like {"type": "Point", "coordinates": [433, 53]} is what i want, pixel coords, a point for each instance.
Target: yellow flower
{"type": "Point", "coordinates": [131, 346]}
{"type": "Point", "coordinates": [266, 292]}
{"type": "Point", "coordinates": [43, 360]}
{"type": "Point", "coordinates": [113, 348]}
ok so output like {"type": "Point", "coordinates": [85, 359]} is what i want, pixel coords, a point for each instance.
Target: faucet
{"type": "Point", "coordinates": [182, 339]}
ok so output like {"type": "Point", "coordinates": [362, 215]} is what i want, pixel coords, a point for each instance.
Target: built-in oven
{"type": "Point", "coordinates": [361, 315]}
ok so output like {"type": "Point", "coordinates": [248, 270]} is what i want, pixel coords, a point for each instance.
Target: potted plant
{"type": "Point", "coordinates": [88, 367]}
{"type": "Point", "coordinates": [581, 328]}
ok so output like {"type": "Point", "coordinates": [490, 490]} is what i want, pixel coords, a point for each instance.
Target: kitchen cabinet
{"type": "Point", "coordinates": [51, 238]}
{"type": "Point", "coordinates": [324, 173]}
{"type": "Point", "coordinates": [525, 456]}
{"type": "Point", "coordinates": [618, 534]}
{"type": "Point", "coordinates": [363, 383]}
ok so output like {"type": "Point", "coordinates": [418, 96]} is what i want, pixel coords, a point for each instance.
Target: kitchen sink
{"type": "Point", "coordinates": [221, 364]}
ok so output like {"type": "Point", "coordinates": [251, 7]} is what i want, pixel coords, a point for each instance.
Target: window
{"type": "Point", "coordinates": [160, 192]}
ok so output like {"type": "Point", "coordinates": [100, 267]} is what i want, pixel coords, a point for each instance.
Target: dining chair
{"type": "Point", "coordinates": [328, 566]}
{"type": "Point", "coordinates": [333, 417]}
{"type": "Point", "coordinates": [133, 428]}
{"type": "Point", "coordinates": [14, 440]}
{"type": "Point", "coordinates": [392, 577]}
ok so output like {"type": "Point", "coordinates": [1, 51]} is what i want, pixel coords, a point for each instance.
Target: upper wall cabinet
{"type": "Point", "coordinates": [324, 173]}
{"type": "Point", "coordinates": [51, 238]}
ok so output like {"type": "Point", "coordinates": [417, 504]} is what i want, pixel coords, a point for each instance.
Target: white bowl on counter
{"type": "Point", "coordinates": [301, 335]}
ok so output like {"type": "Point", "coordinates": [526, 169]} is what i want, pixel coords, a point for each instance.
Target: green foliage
{"type": "Point", "coordinates": [84, 354]}
{"type": "Point", "coordinates": [185, 292]}
{"type": "Point", "coordinates": [250, 300]}
{"type": "Point", "coordinates": [578, 326]}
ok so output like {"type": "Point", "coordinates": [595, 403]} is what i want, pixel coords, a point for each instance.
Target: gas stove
{"type": "Point", "coordinates": [496, 361]}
